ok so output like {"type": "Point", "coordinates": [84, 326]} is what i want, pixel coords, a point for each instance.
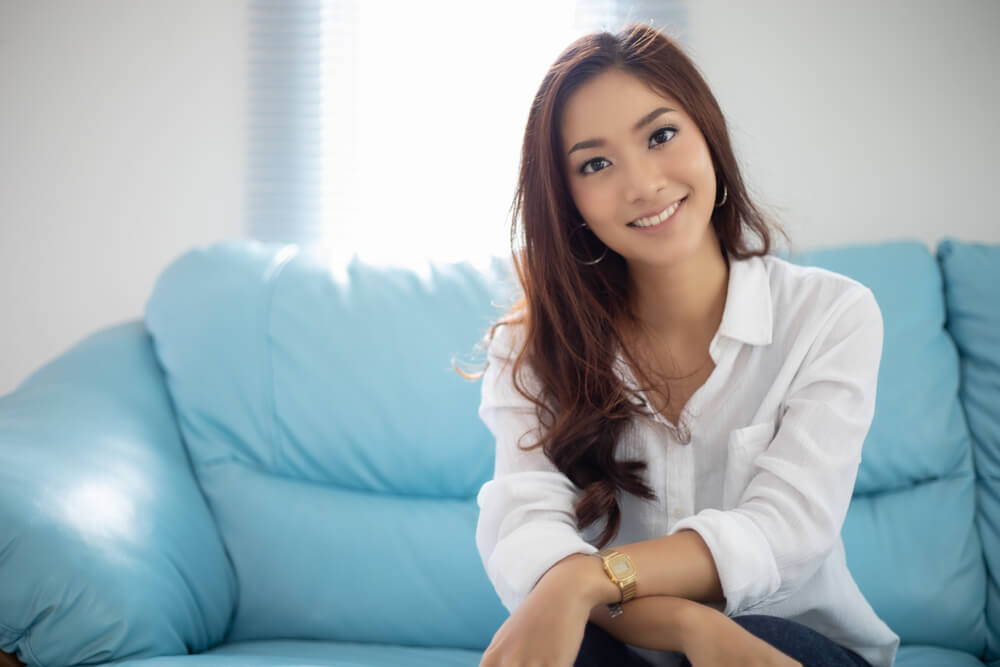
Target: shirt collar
{"type": "Point", "coordinates": [748, 314]}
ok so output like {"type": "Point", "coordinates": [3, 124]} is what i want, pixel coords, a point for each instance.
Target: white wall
{"type": "Point", "coordinates": [122, 134]}
{"type": "Point", "coordinates": [122, 137]}
{"type": "Point", "coordinates": [861, 121]}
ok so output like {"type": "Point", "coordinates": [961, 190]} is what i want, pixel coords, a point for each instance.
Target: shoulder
{"type": "Point", "coordinates": [815, 309]}
{"type": "Point", "coordinates": [811, 294]}
{"type": "Point", "coordinates": [506, 342]}
{"type": "Point", "coordinates": [790, 280]}
{"type": "Point", "coordinates": [499, 388]}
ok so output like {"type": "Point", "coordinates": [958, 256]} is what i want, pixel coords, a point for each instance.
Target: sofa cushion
{"type": "Point", "coordinates": [972, 289]}
{"type": "Point", "coordinates": [316, 654]}
{"type": "Point", "coordinates": [339, 450]}
{"type": "Point", "coordinates": [107, 548]}
{"type": "Point", "coordinates": [329, 654]}
{"type": "Point", "coordinates": [932, 656]}
{"type": "Point", "coordinates": [337, 654]}
{"type": "Point", "coordinates": [910, 533]}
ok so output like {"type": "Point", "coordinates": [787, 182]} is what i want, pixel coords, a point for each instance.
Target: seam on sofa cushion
{"type": "Point", "coordinates": [9, 631]}
{"type": "Point", "coordinates": [215, 463]}
{"type": "Point", "coordinates": [957, 474]}
{"type": "Point", "coordinates": [281, 260]}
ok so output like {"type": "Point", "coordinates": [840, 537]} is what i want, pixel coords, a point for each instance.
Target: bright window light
{"type": "Point", "coordinates": [424, 107]}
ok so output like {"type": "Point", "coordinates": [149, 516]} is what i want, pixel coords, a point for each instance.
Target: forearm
{"type": "Point", "coordinates": [679, 566]}
{"type": "Point", "coordinates": [704, 635]}
{"type": "Point", "coordinates": [656, 622]}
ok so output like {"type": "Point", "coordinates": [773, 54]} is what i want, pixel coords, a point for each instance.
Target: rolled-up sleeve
{"type": "Point", "coordinates": [791, 513]}
{"type": "Point", "coordinates": [526, 518]}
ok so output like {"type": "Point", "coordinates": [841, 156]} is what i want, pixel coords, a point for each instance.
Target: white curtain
{"type": "Point", "coordinates": [391, 130]}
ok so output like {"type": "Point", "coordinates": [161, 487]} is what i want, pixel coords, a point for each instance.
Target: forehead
{"type": "Point", "coordinates": [608, 107]}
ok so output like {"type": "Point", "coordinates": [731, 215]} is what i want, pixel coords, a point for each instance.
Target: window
{"type": "Point", "coordinates": [398, 136]}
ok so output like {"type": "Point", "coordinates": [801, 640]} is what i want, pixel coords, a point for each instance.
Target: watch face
{"type": "Point", "coordinates": [621, 566]}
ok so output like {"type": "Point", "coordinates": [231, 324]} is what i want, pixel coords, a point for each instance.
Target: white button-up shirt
{"type": "Point", "coordinates": [765, 479]}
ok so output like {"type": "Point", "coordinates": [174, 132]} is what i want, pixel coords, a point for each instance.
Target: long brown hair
{"type": "Point", "coordinates": [571, 312]}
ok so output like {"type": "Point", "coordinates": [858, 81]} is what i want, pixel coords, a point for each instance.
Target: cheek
{"type": "Point", "coordinates": [701, 163]}
{"type": "Point", "coordinates": [708, 169]}
{"type": "Point", "coordinates": [591, 200]}
{"type": "Point", "coordinates": [580, 199]}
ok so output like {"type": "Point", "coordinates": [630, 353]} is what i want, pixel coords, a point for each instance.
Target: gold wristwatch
{"type": "Point", "coordinates": [621, 572]}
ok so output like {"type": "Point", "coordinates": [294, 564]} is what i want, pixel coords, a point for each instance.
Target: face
{"type": "Point", "coordinates": [639, 170]}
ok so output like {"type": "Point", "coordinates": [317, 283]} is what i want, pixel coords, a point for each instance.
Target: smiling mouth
{"type": "Point", "coordinates": [655, 220]}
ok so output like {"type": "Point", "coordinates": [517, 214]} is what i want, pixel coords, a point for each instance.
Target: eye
{"type": "Point", "coordinates": [586, 168]}
{"type": "Point", "coordinates": [664, 133]}
{"type": "Point", "coordinates": [658, 138]}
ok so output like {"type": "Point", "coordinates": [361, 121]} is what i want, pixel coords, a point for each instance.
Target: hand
{"type": "Point", "coordinates": [546, 630]}
{"type": "Point", "coordinates": [715, 639]}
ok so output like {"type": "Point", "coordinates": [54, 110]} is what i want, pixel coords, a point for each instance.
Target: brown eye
{"type": "Point", "coordinates": [665, 134]}
{"type": "Point", "coordinates": [588, 166]}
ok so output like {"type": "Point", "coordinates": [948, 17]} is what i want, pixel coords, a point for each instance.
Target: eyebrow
{"type": "Point", "coordinates": [645, 120]}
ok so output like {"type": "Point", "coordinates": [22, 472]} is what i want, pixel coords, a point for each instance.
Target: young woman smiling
{"type": "Point", "coordinates": [668, 392]}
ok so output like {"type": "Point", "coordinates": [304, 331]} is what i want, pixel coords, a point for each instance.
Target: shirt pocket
{"type": "Point", "coordinates": [743, 448]}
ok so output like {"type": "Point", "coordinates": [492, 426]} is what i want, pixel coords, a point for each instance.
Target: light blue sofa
{"type": "Point", "coordinates": [278, 466]}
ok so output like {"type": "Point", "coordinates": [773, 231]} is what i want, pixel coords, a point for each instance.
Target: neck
{"type": "Point", "coordinates": [683, 301]}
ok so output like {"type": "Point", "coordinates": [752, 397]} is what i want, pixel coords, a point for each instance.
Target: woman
{"type": "Point", "coordinates": [669, 393]}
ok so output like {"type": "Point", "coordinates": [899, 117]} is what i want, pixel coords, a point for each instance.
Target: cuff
{"type": "Point", "coordinates": [521, 558]}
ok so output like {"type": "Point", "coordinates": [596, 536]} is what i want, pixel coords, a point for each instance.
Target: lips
{"type": "Point", "coordinates": [657, 218]}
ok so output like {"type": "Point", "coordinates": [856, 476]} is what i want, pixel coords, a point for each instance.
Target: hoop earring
{"type": "Point", "coordinates": [725, 193]}
{"type": "Point", "coordinates": [580, 261]}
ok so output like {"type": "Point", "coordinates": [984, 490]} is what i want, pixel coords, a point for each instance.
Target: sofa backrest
{"type": "Point", "coordinates": [339, 450]}
{"type": "Point", "coordinates": [910, 534]}
{"type": "Point", "coordinates": [972, 289]}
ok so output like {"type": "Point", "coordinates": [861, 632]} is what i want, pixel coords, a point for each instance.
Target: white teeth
{"type": "Point", "coordinates": [657, 219]}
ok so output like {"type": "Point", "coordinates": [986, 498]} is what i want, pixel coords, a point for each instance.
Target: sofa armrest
{"type": "Point", "coordinates": [107, 547]}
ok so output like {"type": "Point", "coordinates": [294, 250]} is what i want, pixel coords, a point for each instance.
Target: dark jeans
{"type": "Point", "coordinates": [599, 649]}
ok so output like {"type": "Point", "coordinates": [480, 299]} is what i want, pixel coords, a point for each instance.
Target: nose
{"type": "Point", "coordinates": [643, 179]}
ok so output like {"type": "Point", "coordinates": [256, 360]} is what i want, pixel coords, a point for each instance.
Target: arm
{"type": "Point", "coordinates": [789, 516]}
{"type": "Point", "coordinates": [548, 628]}
{"type": "Point", "coordinates": [692, 575]}
{"type": "Point", "coordinates": [654, 621]}
{"type": "Point", "coordinates": [527, 521]}
{"type": "Point", "coordinates": [703, 634]}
